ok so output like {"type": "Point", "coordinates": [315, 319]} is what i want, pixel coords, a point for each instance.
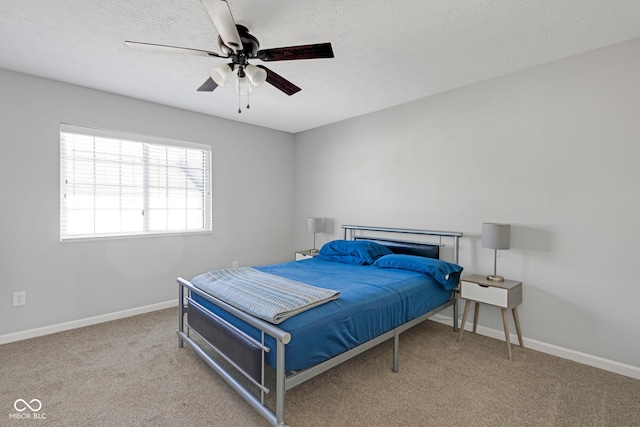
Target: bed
{"type": "Point", "coordinates": [376, 288]}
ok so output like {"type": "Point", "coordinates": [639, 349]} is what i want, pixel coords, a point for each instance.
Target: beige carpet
{"type": "Point", "coordinates": [131, 372]}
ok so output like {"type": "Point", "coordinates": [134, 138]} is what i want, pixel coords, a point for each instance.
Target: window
{"type": "Point", "coordinates": [116, 184]}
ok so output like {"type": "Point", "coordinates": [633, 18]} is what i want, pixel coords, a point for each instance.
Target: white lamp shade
{"type": "Point", "coordinates": [221, 74]}
{"type": "Point", "coordinates": [243, 87]}
{"type": "Point", "coordinates": [314, 225]}
{"type": "Point", "coordinates": [496, 236]}
{"type": "Point", "coordinates": [256, 75]}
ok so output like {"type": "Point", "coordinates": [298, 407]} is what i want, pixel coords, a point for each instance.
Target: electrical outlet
{"type": "Point", "coordinates": [19, 298]}
{"type": "Point", "coordinates": [234, 264]}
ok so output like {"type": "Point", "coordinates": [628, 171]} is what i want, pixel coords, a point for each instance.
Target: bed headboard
{"type": "Point", "coordinates": [426, 249]}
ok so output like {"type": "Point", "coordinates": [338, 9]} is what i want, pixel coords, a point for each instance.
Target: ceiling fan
{"type": "Point", "coordinates": [240, 46]}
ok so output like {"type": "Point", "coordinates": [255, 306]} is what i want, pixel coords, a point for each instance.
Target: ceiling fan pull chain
{"type": "Point", "coordinates": [239, 110]}
{"type": "Point", "coordinates": [248, 106]}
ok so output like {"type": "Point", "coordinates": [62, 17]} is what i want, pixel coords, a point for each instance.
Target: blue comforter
{"type": "Point", "coordinates": [372, 301]}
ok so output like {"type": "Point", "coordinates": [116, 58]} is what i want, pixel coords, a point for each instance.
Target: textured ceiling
{"type": "Point", "coordinates": [386, 52]}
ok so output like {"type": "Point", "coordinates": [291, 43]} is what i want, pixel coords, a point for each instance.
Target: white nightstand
{"type": "Point", "coordinates": [507, 295]}
{"type": "Point", "coordinates": [305, 254]}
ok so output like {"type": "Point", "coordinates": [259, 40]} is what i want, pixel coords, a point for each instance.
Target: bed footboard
{"type": "Point", "coordinates": [245, 354]}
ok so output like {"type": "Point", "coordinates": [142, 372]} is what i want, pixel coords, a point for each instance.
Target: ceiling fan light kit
{"type": "Point", "coordinates": [221, 73]}
{"type": "Point", "coordinates": [243, 86]}
{"type": "Point", "coordinates": [237, 44]}
{"type": "Point", "coordinates": [256, 75]}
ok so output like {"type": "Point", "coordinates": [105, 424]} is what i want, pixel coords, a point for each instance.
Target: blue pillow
{"type": "Point", "coordinates": [360, 252]}
{"type": "Point", "coordinates": [445, 273]}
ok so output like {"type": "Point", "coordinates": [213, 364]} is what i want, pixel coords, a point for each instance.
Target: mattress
{"type": "Point", "coordinates": [372, 301]}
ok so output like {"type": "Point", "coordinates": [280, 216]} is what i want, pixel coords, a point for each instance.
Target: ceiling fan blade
{"type": "Point", "coordinates": [222, 19]}
{"type": "Point", "coordinates": [208, 86]}
{"type": "Point", "coordinates": [280, 82]}
{"type": "Point", "coordinates": [309, 51]}
{"type": "Point", "coordinates": [172, 49]}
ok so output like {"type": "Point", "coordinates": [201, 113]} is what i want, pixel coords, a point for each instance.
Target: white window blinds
{"type": "Point", "coordinates": [116, 184]}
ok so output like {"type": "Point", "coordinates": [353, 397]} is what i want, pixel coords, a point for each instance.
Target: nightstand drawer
{"type": "Point", "coordinates": [488, 295]}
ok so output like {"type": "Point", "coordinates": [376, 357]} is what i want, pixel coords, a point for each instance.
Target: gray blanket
{"type": "Point", "coordinates": [263, 295]}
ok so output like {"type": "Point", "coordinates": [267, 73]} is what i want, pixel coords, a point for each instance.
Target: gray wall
{"type": "Point", "coordinates": [552, 150]}
{"type": "Point", "coordinates": [252, 206]}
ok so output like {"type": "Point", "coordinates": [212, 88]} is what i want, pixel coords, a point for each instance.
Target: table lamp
{"type": "Point", "coordinates": [496, 236]}
{"type": "Point", "coordinates": [314, 225]}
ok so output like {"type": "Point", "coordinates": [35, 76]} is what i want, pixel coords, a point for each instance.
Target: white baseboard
{"type": "Point", "coordinates": [565, 353]}
{"type": "Point", "coordinates": [46, 330]}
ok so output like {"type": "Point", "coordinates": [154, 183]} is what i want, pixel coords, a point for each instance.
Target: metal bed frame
{"type": "Point", "coordinates": [225, 340]}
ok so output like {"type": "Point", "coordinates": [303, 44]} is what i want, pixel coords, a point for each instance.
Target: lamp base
{"type": "Point", "coordinates": [495, 278]}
